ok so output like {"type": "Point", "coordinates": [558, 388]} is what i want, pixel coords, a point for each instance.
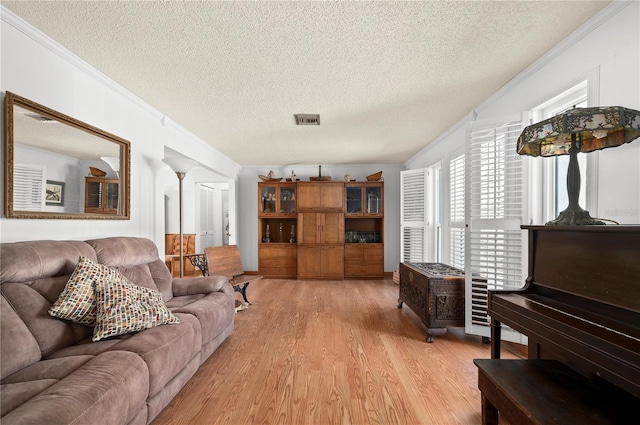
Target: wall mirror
{"type": "Point", "coordinates": [56, 167]}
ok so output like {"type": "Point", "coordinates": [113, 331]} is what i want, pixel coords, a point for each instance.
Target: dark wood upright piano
{"type": "Point", "coordinates": [580, 309]}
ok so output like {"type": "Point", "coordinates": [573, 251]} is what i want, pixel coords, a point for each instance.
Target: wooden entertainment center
{"type": "Point", "coordinates": [321, 229]}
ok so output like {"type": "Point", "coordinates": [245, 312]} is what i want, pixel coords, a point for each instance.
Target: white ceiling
{"type": "Point", "coordinates": [387, 78]}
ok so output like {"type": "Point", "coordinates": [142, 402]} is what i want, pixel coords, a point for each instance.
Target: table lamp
{"type": "Point", "coordinates": [579, 130]}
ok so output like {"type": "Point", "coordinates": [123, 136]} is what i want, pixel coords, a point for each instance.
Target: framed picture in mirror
{"type": "Point", "coordinates": [54, 193]}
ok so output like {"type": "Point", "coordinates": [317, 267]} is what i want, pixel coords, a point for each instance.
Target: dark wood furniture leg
{"type": "Point", "coordinates": [496, 328]}
{"type": "Point", "coordinates": [489, 412]}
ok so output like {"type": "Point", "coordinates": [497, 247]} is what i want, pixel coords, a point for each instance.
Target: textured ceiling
{"type": "Point", "coordinates": [387, 78]}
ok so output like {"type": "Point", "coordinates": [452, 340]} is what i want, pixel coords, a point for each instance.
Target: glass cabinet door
{"type": "Point", "coordinates": [353, 199]}
{"type": "Point", "coordinates": [111, 196]}
{"type": "Point", "coordinates": [93, 197]}
{"type": "Point", "coordinates": [101, 195]}
{"type": "Point", "coordinates": [268, 198]}
{"type": "Point", "coordinates": [277, 199]}
{"type": "Point", "coordinates": [373, 199]}
{"type": "Point", "coordinates": [287, 200]}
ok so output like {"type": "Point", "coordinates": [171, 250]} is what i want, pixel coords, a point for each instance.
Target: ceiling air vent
{"type": "Point", "coordinates": [307, 119]}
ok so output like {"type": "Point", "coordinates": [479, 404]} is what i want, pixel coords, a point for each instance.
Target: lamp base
{"type": "Point", "coordinates": [573, 217]}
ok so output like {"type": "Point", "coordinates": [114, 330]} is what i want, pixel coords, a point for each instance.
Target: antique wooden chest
{"type": "Point", "coordinates": [435, 292]}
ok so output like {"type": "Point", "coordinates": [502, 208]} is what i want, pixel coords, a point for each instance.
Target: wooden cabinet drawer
{"type": "Point", "coordinates": [277, 251]}
{"type": "Point", "coordinates": [280, 262]}
{"type": "Point", "coordinates": [364, 260]}
{"type": "Point", "coordinates": [277, 260]}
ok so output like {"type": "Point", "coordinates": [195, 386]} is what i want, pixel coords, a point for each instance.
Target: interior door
{"type": "Point", "coordinates": [206, 233]}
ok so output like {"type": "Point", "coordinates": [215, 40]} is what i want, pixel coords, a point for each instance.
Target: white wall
{"type": "Point", "coordinates": [248, 204]}
{"type": "Point", "coordinates": [35, 67]}
{"type": "Point", "coordinates": [609, 46]}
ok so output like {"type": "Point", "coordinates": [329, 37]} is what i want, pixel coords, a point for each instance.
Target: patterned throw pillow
{"type": "Point", "coordinates": [124, 307]}
{"type": "Point", "coordinates": [77, 302]}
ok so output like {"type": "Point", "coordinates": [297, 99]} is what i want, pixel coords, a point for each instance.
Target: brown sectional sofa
{"type": "Point", "coordinates": [51, 371]}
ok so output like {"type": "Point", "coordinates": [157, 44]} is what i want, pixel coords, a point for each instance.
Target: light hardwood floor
{"type": "Point", "coordinates": [332, 352]}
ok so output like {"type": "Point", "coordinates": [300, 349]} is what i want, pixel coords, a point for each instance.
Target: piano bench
{"type": "Point", "coordinates": [548, 392]}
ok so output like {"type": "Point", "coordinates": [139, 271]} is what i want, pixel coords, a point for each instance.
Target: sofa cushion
{"type": "Point", "coordinates": [127, 252]}
{"type": "Point", "coordinates": [140, 275]}
{"type": "Point", "coordinates": [19, 348]}
{"type": "Point", "coordinates": [215, 311]}
{"type": "Point", "coordinates": [109, 388]}
{"type": "Point", "coordinates": [165, 349]}
{"type": "Point", "coordinates": [124, 307]}
{"type": "Point", "coordinates": [25, 384]}
{"type": "Point", "coordinates": [198, 285]}
{"type": "Point", "coordinates": [33, 274]}
{"type": "Point", "coordinates": [77, 302]}
{"type": "Point", "coordinates": [32, 307]}
{"type": "Point", "coordinates": [33, 260]}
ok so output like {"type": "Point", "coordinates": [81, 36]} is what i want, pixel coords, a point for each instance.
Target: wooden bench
{"type": "Point", "coordinates": [226, 261]}
{"type": "Point", "coordinates": [549, 392]}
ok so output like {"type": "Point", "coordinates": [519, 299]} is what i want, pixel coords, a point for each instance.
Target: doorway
{"type": "Point", "coordinates": [213, 215]}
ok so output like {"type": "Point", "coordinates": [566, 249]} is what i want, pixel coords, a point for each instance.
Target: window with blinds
{"type": "Point", "coordinates": [495, 186]}
{"type": "Point", "coordinates": [456, 212]}
{"type": "Point", "coordinates": [29, 183]}
{"type": "Point", "coordinates": [413, 215]}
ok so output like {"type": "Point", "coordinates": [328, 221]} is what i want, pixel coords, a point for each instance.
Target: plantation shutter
{"type": "Point", "coordinates": [495, 254]}
{"type": "Point", "coordinates": [29, 183]}
{"type": "Point", "coordinates": [456, 212]}
{"type": "Point", "coordinates": [413, 218]}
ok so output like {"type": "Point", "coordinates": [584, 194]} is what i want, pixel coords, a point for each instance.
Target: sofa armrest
{"type": "Point", "coordinates": [200, 285]}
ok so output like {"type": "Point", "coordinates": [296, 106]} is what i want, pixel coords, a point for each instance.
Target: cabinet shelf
{"type": "Point", "coordinates": [279, 230]}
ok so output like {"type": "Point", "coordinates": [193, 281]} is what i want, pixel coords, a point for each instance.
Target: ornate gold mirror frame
{"type": "Point", "coordinates": [57, 167]}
